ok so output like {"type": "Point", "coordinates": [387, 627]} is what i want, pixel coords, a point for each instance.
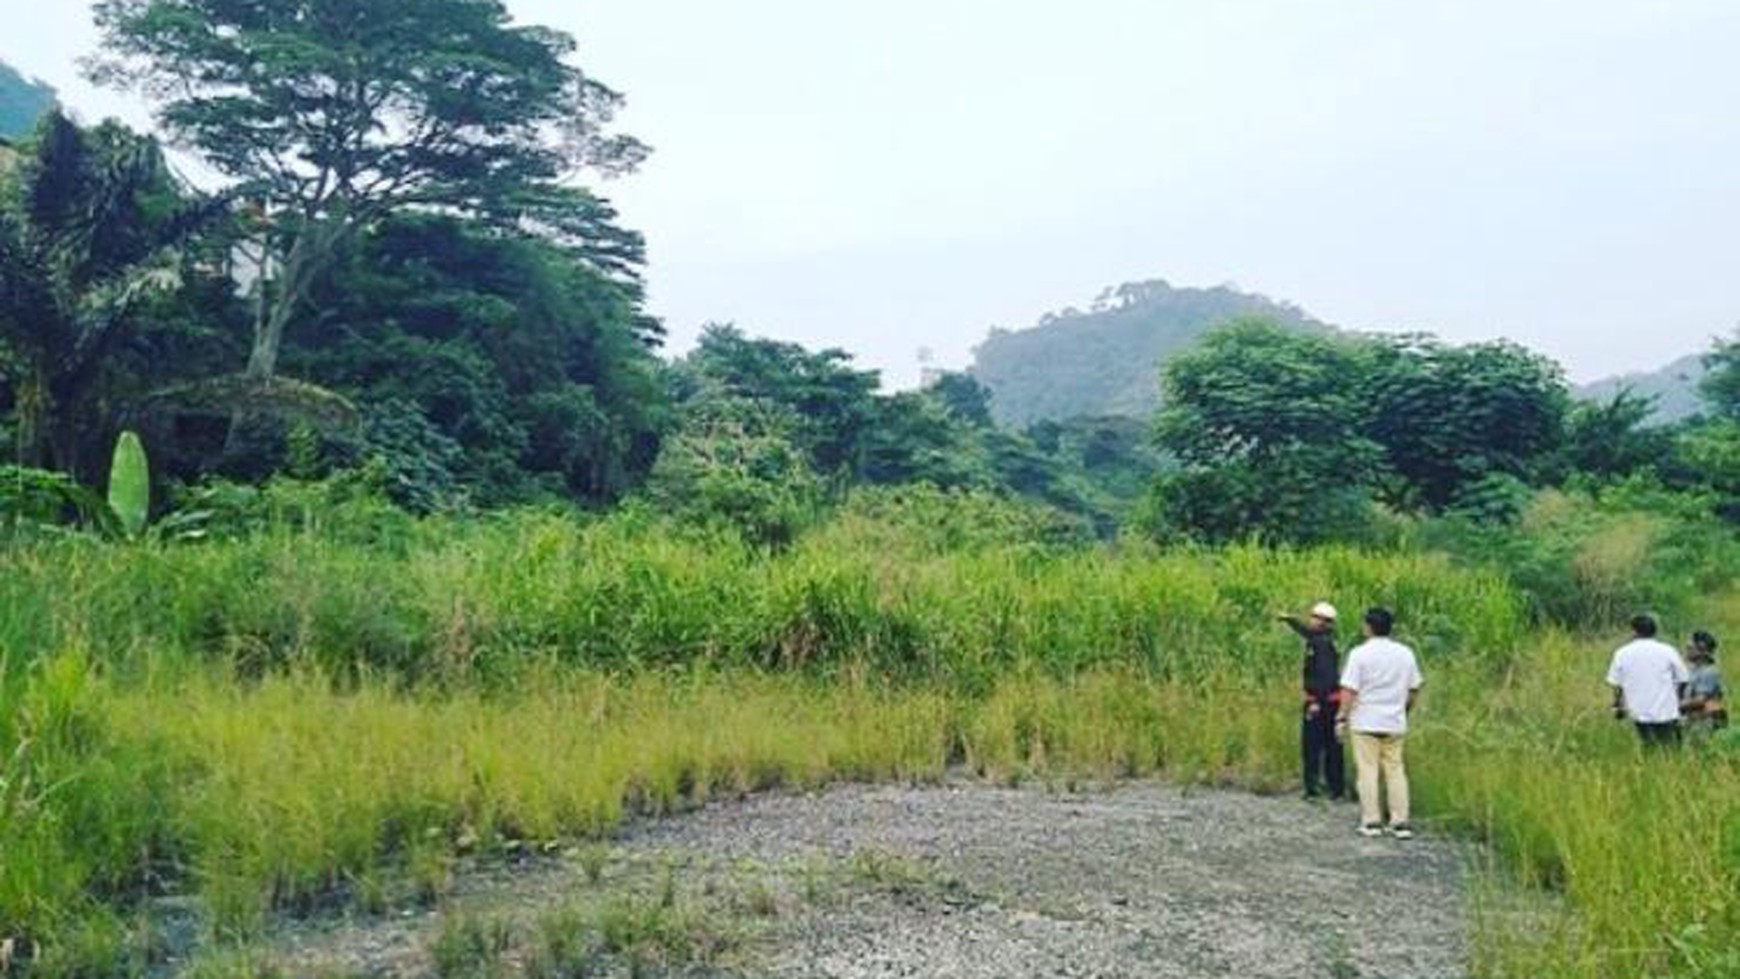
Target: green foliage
{"type": "Point", "coordinates": [326, 582]}
{"type": "Point", "coordinates": [1107, 360]}
{"type": "Point", "coordinates": [1270, 428]}
{"type": "Point", "coordinates": [130, 485]}
{"type": "Point", "coordinates": [1672, 390]}
{"type": "Point", "coordinates": [34, 499]}
{"type": "Point", "coordinates": [1288, 436]}
{"type": "Point", "coordinates": [23, 102]}
{"type": "Point", "coordinates": [430, 104]}
{"type": "Point", "coordinates": [1594, 561]}
{"type": "Point", "coordinates": [830, 402]}
{"type": "Point", "coordinates": [914, 438]}
{"type": "Point", "coordinates": [473, 948]}
{"type": "Point", "coordinates": [400, 691]}
{"type": "Point", "coordinates": [926, 520]}
{"type": "Point", "coordinates": [499, 366]}
{"type": "Point", "coordinates": [1495, 500]}
{"type": "Point", "coordinates": [849, 434]}
{"type": "Point", "coordinates": [90, 229]}
{"type": "Point", "coordinates": [1448, 417]}
{"type": "Point", "coordinates": [1290, 497]}
{"type": "Point", "coordinates": [736, 462]}
{"type": "Point", "coordinates": [1707, 462]}
{"type": "Point", "coordinates": [1112, 462]}
{"type": "Point", "coordinates": [1614, 439]}
{"type": "Point", "coordinates": [351, 505]}
{"type": "Point", "coordinates": [1255, 390]}
{"type": "Point", "coordinates": [1721, 385]}
{"type": "Point", "coordinates": [963, 397]}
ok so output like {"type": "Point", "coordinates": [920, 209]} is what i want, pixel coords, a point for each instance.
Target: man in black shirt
{"type": "Point", "coordinates": [1318, 748]}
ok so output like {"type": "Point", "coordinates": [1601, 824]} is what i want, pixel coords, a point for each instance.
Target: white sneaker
{"type": "Point", "coordinates": [1402, 831]}
{"type": "Point", "coordinates": [1369, 830]}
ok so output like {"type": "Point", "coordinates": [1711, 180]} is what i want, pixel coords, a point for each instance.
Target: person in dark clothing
{"type": "Point", "coordinates": [1320, 751]}
{"type": "Point", "coordinates": [1701, 704]}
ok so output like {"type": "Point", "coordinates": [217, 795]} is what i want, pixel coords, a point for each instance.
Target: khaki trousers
{"type": "Point", "coordinates": [1374, 754]}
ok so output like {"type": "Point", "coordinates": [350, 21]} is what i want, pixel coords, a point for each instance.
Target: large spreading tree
{"type": "Point", "coordinates": [331, 115]}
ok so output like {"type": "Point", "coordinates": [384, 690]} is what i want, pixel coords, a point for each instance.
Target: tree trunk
{"type": "Point", "coordinates": [293, 282]}
{"type": "Point", "coordinates": [33, 409]}
{"type": "Point", "coordinates": [308, 257]}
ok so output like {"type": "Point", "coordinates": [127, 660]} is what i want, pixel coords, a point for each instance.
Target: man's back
{"type": "Point", "coordinates": [1382, 673]}
{"type": "Point", "coordinates": [1649, 672]}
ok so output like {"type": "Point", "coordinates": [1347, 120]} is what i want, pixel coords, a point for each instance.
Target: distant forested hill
{"type": "Point", "coordinates": [22, 102]}
{"type": "Point", "coordinates": [1675, 386]}
{"type": "Point", "coordinates": [1106, 361]}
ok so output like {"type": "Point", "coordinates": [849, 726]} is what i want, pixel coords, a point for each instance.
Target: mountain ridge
{"type": "Point", "coordinates": [1674, 386]}
{"type": "Point", "coordinates": [22, 102]}
{"type": "Point", "coordinates": [1106, 361]}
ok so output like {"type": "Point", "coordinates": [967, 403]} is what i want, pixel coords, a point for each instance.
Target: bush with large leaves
{"type": "Point", "coordinates": [92, 224]}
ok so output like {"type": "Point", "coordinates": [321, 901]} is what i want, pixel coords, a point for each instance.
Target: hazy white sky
{"type": "Point", "coordinates": [890, 175]}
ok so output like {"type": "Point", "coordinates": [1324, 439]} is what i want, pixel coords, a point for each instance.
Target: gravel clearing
{"type": "Point", "coordinates": [970, 880]}
{"type": "Point", "coordinates": [1144, 880]}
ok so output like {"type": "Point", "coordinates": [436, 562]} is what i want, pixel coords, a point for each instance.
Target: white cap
{"type": "Point", "coordinates": [1324, 610]}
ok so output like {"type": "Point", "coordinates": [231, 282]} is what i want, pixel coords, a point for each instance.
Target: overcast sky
{"type": "Point", "coordinates": [902, 174]}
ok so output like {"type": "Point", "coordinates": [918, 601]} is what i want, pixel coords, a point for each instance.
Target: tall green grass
{"type": "Point", "coordinates": [298, 717]}
{"type": "Point", "coordinates": [462, 601]}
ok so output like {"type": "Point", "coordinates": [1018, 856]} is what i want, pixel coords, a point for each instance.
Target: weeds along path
{"type": "Point", "coordinates": [957, 880]}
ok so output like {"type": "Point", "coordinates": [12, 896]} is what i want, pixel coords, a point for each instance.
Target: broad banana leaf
{"type": "Point", "coordinates": [130, 485]}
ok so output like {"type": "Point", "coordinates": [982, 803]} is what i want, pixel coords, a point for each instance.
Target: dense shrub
{"type": "Point", "coordinates": [1588, 561]}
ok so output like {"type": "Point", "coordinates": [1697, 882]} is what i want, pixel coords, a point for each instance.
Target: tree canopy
{"type": "Point", "coordinates": [402, 283]}
{"type": "Point", "coordinates": [91, 228]}
{"type": "Point", "coordinates": [1293, 436]}
{"type": "Point", "coordinates": [333, 114]}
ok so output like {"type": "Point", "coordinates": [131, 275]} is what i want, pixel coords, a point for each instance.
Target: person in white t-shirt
{"type": "Point", "coordinates": [1379, 685]}
{"type": "Point", "coordinates": [1648, 679]}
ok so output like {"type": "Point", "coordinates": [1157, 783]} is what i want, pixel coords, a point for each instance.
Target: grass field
{"type": "Point", "coordinates": [310, 716]}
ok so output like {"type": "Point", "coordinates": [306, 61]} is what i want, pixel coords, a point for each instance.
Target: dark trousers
{"type": "Point", "coordinates": [1320, 752]}
{"type": "Point", "coordinates": [1661, 735]}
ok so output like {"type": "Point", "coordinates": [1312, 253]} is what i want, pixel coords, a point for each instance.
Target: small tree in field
{"type": "Point", "coordinates": [336, 113]}
{"type": "Point", "coordinates": [1721, 386]}
{"type": "Point", "coordinates": [1269, 427]}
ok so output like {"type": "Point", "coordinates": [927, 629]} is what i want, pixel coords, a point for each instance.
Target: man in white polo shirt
{"type": "Point", "coordinates": [1379, 685]}
{"type": "Point", "coordinates": [1648, 677]}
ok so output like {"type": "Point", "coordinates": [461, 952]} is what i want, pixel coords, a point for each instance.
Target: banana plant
{"type": "Point", "coordinates": [40, 501]}
{"type": "Point", "coordinates": [130, 485]}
